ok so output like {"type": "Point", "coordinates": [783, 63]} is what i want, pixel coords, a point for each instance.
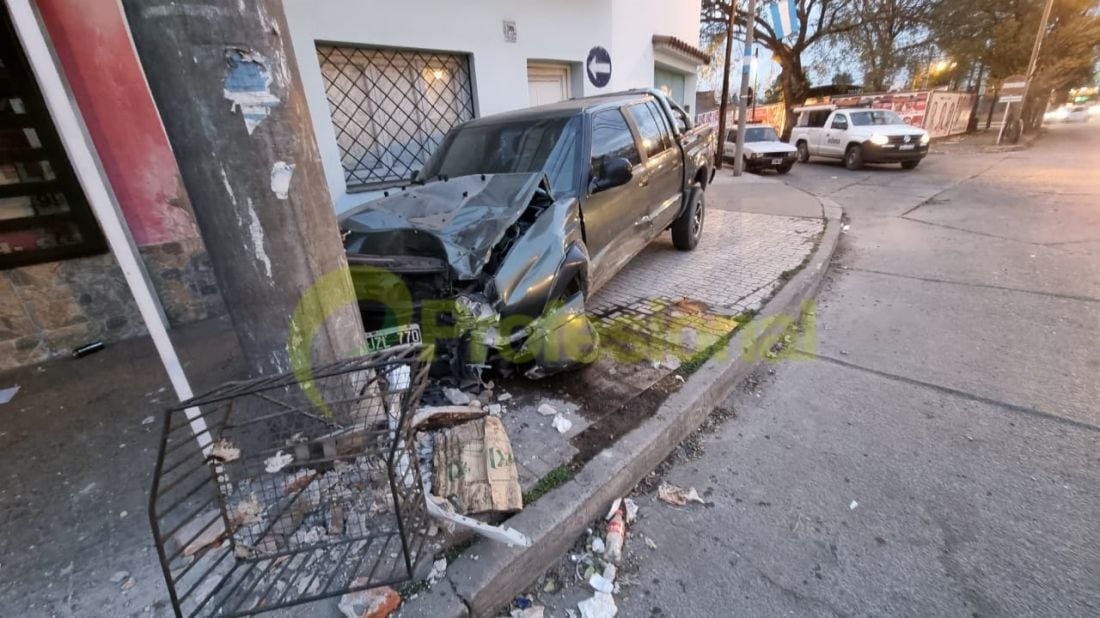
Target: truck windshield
{"type": "Point", "coordinates": [863, 119]}
{"type": "Point", "coordinates": [760, 134]}
{"type": "Point", "coordinates": [550, 145]}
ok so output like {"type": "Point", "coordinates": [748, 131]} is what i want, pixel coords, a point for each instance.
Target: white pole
{"type": "Point", "coordinates": [85, 163]}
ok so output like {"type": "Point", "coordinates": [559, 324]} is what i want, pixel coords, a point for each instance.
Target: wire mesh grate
{"type": "Point", "coordinates": [390, 108]}
{"type": "Point", "coordinates": [292, 488]}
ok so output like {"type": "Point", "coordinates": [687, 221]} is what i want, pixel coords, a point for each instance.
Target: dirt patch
{"type": "Point", "coordinates": [625, 417]}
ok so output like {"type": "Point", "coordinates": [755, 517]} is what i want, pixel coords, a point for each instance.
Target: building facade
{"type": "Point", "coordinates": [383, 82]}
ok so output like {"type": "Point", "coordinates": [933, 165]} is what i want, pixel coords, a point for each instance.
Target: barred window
{"type": "Point", "coordinates": [43, 214]}
{"type": "Point", "coordinates": [390, 108]}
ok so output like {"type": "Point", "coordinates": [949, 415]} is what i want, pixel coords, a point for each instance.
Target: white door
{"type": "Point", "coordinates": [547, 83]}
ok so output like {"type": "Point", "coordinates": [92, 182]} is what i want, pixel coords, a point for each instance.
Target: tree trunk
{"type": "Point", "coordinates": [795, 87]}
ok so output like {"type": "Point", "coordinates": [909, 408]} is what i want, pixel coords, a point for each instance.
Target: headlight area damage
{"type": "Point", "coordinates": [489, 268]}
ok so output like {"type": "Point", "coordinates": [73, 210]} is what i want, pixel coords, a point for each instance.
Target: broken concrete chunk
{"type": "Point", "coordinates": [456, 397]}
{"type": "Point", "coordinates": [370, 603]}
{"type": "Point", "coordinates": [562, 424]}
{"type": "Point", "coordinates": [225, 451]}
{"type": "Point", "coordinates": [504, 396]}
{"type": "Point", "coordinates": [631, 510]}
{"type": "Point", "coordinates": [495, 409]}
{"type": "Point", "coordinates": [547, 410]}
{"type": "Point", "coordinates": [535, 611]}
{"type": "Point", "coordinates": [601, 605]}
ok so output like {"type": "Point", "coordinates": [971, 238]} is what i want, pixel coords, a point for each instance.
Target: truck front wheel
{"type": "Point", "coordinates": [803, 152]}
{"type": "Point", "coordinates": [853, 157]}
{"type": "Point", "coordinates": [688, 227]}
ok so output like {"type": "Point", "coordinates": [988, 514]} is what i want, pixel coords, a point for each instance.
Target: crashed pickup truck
{"type": "Point", "coordinates": [492, 250]}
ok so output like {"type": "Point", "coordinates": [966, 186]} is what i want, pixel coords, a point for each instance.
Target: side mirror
{"type": "Point", "coordinates": [615, 172]}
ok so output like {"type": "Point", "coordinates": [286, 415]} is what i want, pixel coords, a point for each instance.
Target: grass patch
{"type": "Point", "coordinates": [553, 479]}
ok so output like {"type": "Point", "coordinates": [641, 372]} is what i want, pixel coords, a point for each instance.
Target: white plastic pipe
{"type": "Point", "coordinates": [85, 162]}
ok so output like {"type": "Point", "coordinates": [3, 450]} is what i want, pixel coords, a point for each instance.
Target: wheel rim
{"type": "Point", "coordinates": [852, 157]}
{"type": "Point", "coordinates": [802, 151]}
{"type": "Point", "coordinates": [697, 219]}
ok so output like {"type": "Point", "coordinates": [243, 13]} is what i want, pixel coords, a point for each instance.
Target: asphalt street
{"type": "Point", "coordinates": [934, 448]}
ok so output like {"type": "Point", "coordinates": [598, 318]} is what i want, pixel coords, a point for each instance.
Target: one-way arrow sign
{"type": "Point", "coordinates": [599, 66]}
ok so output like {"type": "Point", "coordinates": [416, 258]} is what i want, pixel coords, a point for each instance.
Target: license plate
{"type": "Point", "coordinates": [777, 161]}
{"type": "Point", "coordinates": [393, 336]}
{"type": "Point", "coordinates": [906, 147]}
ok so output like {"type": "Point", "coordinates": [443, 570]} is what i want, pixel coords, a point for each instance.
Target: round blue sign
{"type": "Point", "coordinates": [598, 67]}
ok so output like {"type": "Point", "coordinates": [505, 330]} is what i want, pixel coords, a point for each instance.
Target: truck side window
{"type": "Point", "coordinates": [816, 118]}
{"type": "Point", "coordinates": [654, 136]}
{"type": "Point", "coordinates": [611, 137]}
{"type": "Point", "coordinates": [840, 122]}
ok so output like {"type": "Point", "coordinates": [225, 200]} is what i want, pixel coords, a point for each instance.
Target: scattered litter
{"type": "Point", "coordinates": [846, 227]}
{"type": "Point", "coordinates": [88, 348]}
{"type": "Point", "coordinates": [600, 583]}
{"type": "Point", "coordinates": [614, 508]}
{"type": "Point", "coordinates": [615, 533]}
{"type": "Point", "coordinates": [456, 397]}
{"type": "Point", "coordinates": [119, 576]}
{"type": "Point", "coordinates": [6, 394]}
{"type": "Point", "coordinates": [650, 543]}
{"type": "Point", "coordinates": [276, 462]}
{"type": "Point", "coordinates": [680, 379]}
{"type": "Point", "coordinates": [601, 605]}
{"type": "Point", "coordinates": [523, 602]}
{"type": "Point", "coordinates": [504, 396]}
{"type": "Point", "coordinates": [534, 611]}
{"type": "Point", "coordinates": [128, 584]}
{"type": "Point", "coordinates": [853, 505]}
{"type": "Point", "coordinates": [123, 514]}
{"type": "Point", "coordinates": [562, 424]}
{"type": "Point", "coordinates": [225, 451]}
{"type": "Point", "coordinates": [678, 496]}
{"type": "Point", "coordinates": [547, 410]}
{"type": "Point", "coordinates": [495, 409]}
{"type": "Point", "coordinates": [551, 585]}
{"type": "Point", "coordinates": [597, 546]}
{"type": "Point", "coordinates": [439, 569]}
{"type": "Point", "coordinates": [370, 603]}
{"type": "Point", "coordinates": [148, 420]}
{"type": "Point", "coordinates": [671, 362]}
{"type": "Point", "coordinates": [631, 510]}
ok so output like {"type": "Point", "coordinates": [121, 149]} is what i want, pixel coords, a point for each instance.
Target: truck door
{"type": "Point", "coordinates": [663, 166]}
{"type": "Point", "coordinates": [612, 216]}
{"type": "Point", "coordinates": [836, 135]}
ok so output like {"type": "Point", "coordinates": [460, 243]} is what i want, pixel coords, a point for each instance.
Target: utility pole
{"type": "Point", "coordinates": [1024, 105]}
{"type": "Point", "coordinates": [227, 86]}
{"type": "Point", "coordinates": [723, 105]}
{"type": "Point", "coordinates": [746, 66]}
{"type": "Point", "coordinates": [755, 82]}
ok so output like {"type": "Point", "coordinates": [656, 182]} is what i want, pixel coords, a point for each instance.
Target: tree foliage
{"type": "Point", "coordinates": [890, 34]}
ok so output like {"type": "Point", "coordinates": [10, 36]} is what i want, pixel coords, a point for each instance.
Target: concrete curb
{"type": "Point", "coordinates": [489, 575]}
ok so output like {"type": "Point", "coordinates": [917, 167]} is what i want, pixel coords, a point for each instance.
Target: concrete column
{"type": "Point", "coordinates": [225, 81]}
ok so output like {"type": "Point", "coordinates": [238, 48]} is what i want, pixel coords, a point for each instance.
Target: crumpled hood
{"type": "Point", "coordinates": [466, 216]}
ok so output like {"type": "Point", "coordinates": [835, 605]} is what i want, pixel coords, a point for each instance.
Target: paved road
{"type": "Point", "coordinates": [937, 453]}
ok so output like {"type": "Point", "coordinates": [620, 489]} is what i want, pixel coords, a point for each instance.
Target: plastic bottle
{"type": "Point", "coordinates": [616, 529]}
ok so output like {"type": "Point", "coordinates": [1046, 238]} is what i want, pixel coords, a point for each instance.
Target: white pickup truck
{"type": "Point", "coordinates": [858, 136]}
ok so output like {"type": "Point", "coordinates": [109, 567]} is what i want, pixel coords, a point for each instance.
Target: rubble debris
{"type": "Point", "coordinates": [853, 505]}
{"type": "Point", "coordinates": [614, 508]}
{"type": "Point", "coordinates": [456, 396]}
{"type": "Point", "coordinates": [534, 611]}
{"type": "Point", "coordinates": [495, 409]}
{"type": "Point", "coordinates": [562, 424]}
{"type": "Point", "coordinates": [439, 569]}
{"type": "Point", "coordinates": [598, 546]}
{"type": "Point", "coordinates": [119, 576]}
{"type": "Point", "coordinates": [615, 532]}
{"type": "Point", "coordinates": [599, 583]}
{"type": "Point", "coordinates": [631, 508]}
{"type": "Point", "coordinates": [601, 605]}
{"type": "Point", "coordinates": [224, 451]}
{"type": "Point", "coordinates": [277, 462]}
{"type": "Point", "coordinates": [546, 409]}
{"type": "Point", "coordinates": [473, 462]}
{"type": "Point", "coordinates": [6, 394]}
{"type": "Point", "coordinates": [199, 533]}
{"type": "Point", "coordinates": [650, 543]}
{"type": "Point", "coordinates": [370, 603]}
{"type": "Point", "coordinates": [678, 496]}
{"type": "Point", "coordinates": [504, 397]}
{"type": "Point", "coordinates": [129, 583]}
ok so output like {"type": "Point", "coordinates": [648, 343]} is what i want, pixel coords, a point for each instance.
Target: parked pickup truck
{"type": "Point", "coordinates": [858, 136]}
{"type": "Point", "coordinates": [491, 252]}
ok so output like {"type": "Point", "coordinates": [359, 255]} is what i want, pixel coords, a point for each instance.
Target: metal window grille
{"type": "Point", "coordinates": [390, 108]}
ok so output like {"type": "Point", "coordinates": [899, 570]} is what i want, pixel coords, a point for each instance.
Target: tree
{"type": "Point", "coordinates": [1000, 34]}
{"type": "Point", "coordinates": [817, 20]}
{"type": "Point", "coordinates": [843, 78]}
{"type": "Point", "coordinates": [888, 36]}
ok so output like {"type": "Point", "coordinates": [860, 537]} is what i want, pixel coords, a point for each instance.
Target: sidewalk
{"type": "Point", "coordinates": [80, 446]}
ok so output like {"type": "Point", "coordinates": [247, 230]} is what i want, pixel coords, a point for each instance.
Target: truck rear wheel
{"type": "Point", "coordinates": [688, 227]}
{"type": "Point", "coordinates": [803, 152]}
{"type": "Point", "coordinates": [853, 157]}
